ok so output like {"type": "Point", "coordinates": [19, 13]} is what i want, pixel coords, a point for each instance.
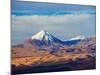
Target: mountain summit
{"type": "Point", "coordinates": [44, 38]}
{"type": "Point", "coordinates": [42, 35]}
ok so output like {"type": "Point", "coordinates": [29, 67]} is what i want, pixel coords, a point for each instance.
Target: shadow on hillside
{"type": "Point", "coordinates": [71, 66]}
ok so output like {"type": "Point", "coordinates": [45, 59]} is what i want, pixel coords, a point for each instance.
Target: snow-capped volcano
{"type": "Point", "coordinates": [42, 35]}
{"type": "Point", "coordinates": [44, 38]}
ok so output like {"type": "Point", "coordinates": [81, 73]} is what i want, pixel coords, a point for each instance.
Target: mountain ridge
{"type": "Point", "coordinates": [45, 40]}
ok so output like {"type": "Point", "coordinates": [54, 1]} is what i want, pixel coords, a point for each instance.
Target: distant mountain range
{"type": "Point", "coordinates": [45, 40]}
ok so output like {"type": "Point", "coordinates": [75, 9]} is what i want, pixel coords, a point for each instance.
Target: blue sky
{"type": "Point", "coordinates": [64, 21]}
{"type": "Point", "coordinates": [30, 8]}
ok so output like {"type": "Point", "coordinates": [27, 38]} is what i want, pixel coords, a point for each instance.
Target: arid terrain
{"type": "Point", "coordinates": [29, 60]}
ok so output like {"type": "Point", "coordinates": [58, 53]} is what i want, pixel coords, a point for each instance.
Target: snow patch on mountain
{"type": "Point", "coordinates": [79, 37]}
